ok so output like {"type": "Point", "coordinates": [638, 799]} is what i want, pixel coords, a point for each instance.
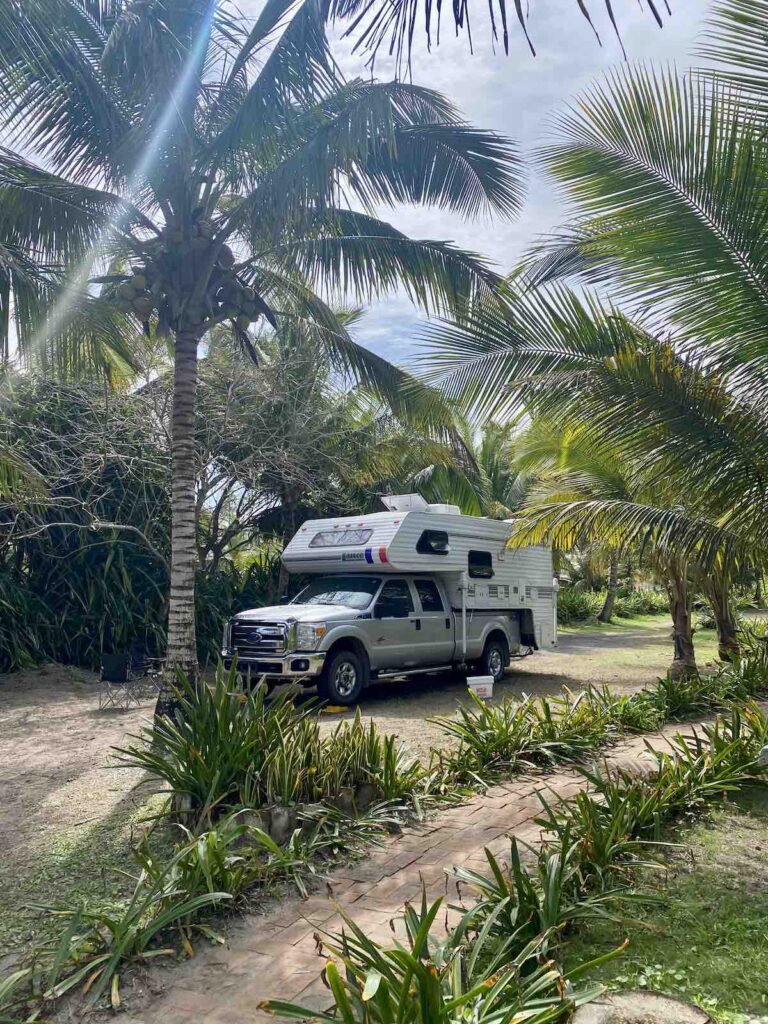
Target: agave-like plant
{"type": "Point", "coordinates": [426, 980]}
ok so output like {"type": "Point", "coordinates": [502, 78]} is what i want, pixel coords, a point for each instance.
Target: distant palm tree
{"type": "Point", "coordinates": [207, 168]}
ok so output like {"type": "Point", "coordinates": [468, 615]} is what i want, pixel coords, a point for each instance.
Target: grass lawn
{"type": "Point", "coordinates": [708, 940]}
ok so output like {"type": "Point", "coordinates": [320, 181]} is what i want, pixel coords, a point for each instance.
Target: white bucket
{"type": "Point", "coordinates": [481, 686]}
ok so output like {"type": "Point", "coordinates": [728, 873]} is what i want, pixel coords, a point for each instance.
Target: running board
{"type": "Point", "coordinates": [414, 671]}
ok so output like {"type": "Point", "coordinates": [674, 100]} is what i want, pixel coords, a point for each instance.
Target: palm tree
{"type": "Point", "coordinates": [667, 173]}
{"type": "Point", "coordinates": [568, 466]}
{"type": "Point", "coordinates": [204, 170]}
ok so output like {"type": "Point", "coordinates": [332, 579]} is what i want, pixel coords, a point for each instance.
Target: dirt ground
{"type": "Point", "coordinates": [68, 807]}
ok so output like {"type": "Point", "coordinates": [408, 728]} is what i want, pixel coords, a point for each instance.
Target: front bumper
{"type": "Point", "coordinates": [287, 666]}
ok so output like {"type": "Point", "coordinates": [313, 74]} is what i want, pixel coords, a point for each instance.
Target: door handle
{"type": "Point", "coordinates": [447, 623]}
{"type": "Point", "coordinates": [417, 623]}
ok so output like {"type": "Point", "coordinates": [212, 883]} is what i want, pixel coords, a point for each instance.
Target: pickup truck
{"type": "Point", "coordinates": [342, 631]}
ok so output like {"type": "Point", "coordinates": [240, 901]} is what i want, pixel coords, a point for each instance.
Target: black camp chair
{"type": "Point", "coordinates": [128, 680]}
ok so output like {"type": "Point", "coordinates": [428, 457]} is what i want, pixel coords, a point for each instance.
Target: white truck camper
{"type": "Point", "coordinates": [417, 588]}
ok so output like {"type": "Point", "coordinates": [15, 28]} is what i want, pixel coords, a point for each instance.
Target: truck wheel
{"type": "Point", "coordinates": [344, 675]}
{"type": "Point", "coordinates": [495, 659]}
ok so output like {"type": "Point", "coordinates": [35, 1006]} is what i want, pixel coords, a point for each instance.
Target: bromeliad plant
{"type": "Point", "coordinates": [424, 980]}
{"type": "Point", "coordinates": [229, 748]}
{"type": "Point", "coordinates": [523, 903]}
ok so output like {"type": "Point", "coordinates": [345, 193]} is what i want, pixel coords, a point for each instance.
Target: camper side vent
{"type": "Point", "coordinates": [546, 592]}
{"type": "Point", "coordinates": [498, 590]}
{"type": "Point", "coordinates": [493, 590]}
{"type": "Point", "coordinates": [528, 593]}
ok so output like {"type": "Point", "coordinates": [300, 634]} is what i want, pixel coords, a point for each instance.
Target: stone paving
{"type": "Point", "coordinates": [276, 955]}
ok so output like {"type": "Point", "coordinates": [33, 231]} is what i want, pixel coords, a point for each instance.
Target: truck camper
{"type": "Point", "coordinates": [416, 588]}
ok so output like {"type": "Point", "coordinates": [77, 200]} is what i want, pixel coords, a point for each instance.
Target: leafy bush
{"type": "Point", "coordinates": [498, 739]}
{"type": "Point", "coordinates": [577, 605]}
{"type": "Point", "coordinates": [458, 979]}
{"type": "Point", "coordinates": [574, 605]}
{"type": "Point", "coordinates": [641, 602]}
{"type": "Point", "coordinates": [526, 903]}
{"type": "Point", "coordinates": [621, 813]}
{"type": "Point", "coordinates": [229, 748]}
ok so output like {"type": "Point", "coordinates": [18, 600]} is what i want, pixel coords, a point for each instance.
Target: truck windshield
{"type": "Point", "coordinates": [350, 591]}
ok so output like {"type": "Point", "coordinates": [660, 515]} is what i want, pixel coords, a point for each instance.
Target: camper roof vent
{"type": "Point", "coordinates": [404, 503]}
{"type": "Point", "coordinates": [415, 503]}
{"type": "Point", "coordinates": [451, 510]}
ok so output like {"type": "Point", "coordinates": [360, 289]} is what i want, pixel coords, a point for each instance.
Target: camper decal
{"type": "Point", "coordinates": [352, 556]}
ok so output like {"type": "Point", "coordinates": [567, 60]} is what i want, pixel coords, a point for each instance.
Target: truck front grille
{"type": "Point", "coordinates": [258, 638]}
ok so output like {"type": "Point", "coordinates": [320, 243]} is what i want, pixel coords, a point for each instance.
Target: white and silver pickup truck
{"type": "Point", "coordinates": [341, 632]}
{"type": "Point", "coordinates": [417, 588]}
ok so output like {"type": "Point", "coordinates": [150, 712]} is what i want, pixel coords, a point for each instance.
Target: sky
{"type": "Point", "coordinates": [515, 95]}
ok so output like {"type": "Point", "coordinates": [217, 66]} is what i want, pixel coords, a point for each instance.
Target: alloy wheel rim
{"type": "Point", "coordinates": [345, 678]}
{"type": "Point", "coordinates": [494, 662]}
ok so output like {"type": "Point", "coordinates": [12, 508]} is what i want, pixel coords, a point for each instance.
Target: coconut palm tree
{"type": "Point", "coordinates": [205, 169]}
{"type": "Point", "coordinates": [667, 174]}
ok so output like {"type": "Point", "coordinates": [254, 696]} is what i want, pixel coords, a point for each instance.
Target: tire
{"type": "Point", "coordinates": [344, 677]}
{"type": "Point", "coordinates": [495, 659]}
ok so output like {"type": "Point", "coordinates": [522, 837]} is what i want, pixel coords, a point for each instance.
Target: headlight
{"type": "Point", "coordinates": [309, 635]}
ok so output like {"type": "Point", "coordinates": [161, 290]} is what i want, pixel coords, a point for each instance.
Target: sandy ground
{"type": "Point", "coordinates": [64, 797]}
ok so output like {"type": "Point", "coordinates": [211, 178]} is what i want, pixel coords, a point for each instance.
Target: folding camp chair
{"type": "Point", "coordinates": [128, 680]}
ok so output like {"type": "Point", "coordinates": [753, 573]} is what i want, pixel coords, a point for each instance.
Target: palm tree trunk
{"type": "Point", "coordinates": [684, 661]}
{"type": "Point", "coordinates": [288, 501]}
{"type": "Point", "coordinates": [606, 612]}
{"type": "Point", "coordinates": [758, 598]}
{"type": "Point", "coordinates": [181, 652]}
{"type": "Point", "coordinates": [716, 587]}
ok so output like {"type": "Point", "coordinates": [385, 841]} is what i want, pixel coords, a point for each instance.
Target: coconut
{"type": "Point", "coordinates": [249, 308]}
{"type": "Point", "coordinates": [243, 321]}
{"type": "Point", "coordinates": [249, 293]}
{"type": "Point", "coordinates": [126, 291]}
{"type": "Point", "coordinates": [143, 305]}
{"type": "Point", "coordinates": [139, 282]}
{"type": "Point", "coordinates": [229, 309]}
{"type": "Point", "coordinates": [226, 257]}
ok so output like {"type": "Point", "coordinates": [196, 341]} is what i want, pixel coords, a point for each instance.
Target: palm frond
{"type": "Point", "coordinates": [673, 167]}
{"type": "Point", "coordinates": [54, 97]}
{"type": "Point", "coordinates": [387, 143]}
{"type": "Point", "coordinates": [673, 531]}
{"type": "Point", "coordinates": [393, 24]}
{"type": "Point", "coordinates": [737, 44]}
{"type": "Point", "coordinates": [367, 258]}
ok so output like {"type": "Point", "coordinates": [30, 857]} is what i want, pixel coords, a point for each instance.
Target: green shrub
{"type": "Point", "coordinates": [497, 739]}
{"type": "Point", "coordinates": [641, 602]}
{"type": "Point", "coordinates": [228, 748]}
{"type": "Point", "coordinates": [577, 605]}
{"type": "Point", "coordinates": [526, 903]}
{"type": "Point", "coordinates": [462, 978]}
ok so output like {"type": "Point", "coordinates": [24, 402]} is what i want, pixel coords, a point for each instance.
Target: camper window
{"type": "Point", "coordinates": [340, 538]}
{"type": "Point", "coordinates": [433, 542]}
{"type": "Point", "coordinates": [429, 596]}
{"type": "Point", "coordinates": [480, 565]}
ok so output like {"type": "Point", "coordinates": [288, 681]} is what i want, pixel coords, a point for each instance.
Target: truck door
{"type": "Point", "coordinates": [393, 632]}
{"type": "Point", "coordinates": [435, 628]}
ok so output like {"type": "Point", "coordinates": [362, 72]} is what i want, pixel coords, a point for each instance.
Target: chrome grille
{"type": "Point", "coordinates": [258, 638]}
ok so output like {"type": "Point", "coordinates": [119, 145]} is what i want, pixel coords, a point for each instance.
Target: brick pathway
{"type": "Point", "coordinates": [275, 955]}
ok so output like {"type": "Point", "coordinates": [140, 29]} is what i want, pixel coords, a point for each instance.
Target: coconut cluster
{"type": "Point", "coordinates": [171, 266]}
